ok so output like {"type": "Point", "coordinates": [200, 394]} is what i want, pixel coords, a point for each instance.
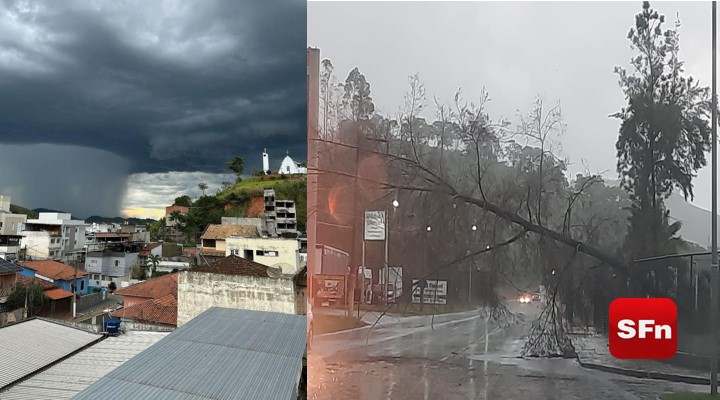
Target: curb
{"type": "Point", "coordinates": [693, 380]}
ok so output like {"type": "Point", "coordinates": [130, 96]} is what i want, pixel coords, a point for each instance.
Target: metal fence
{"type": "Point", "coordinates": [685, 278]}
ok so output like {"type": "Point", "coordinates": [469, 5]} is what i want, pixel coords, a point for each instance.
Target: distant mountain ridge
{"type": "Point", "coordinates": [95, 218]}
{"type": "Point", "coordinates": [119, 220]}
{"type": "Point", "coordinates": [696, 224]}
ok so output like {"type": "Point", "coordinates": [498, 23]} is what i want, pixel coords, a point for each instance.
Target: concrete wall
{"type": "Point", "coordinates": [287, 251]}
{"type": "Point", "coordinates": [11, 223]}
{"type": "Point", "coordinates": [89, 300]}
{"type": "Point", "coordinates": [198, 291]}
{"type": "Point", "coordinates": [5, 203]}
{"type": "Point", "coordinates": [39, 244]}
{"type": "Point", "coordinates": [126, 326]}
{"type": "Point", "coordinates": [104, 263]}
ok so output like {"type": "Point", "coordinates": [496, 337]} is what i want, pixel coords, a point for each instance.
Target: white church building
{"type": "Point", "coordinates": [288, 165]}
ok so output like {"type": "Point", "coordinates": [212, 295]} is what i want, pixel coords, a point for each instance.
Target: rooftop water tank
{"type": "Point", "coordinates": [111, 326]}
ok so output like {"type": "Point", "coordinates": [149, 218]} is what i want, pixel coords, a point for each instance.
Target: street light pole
{"type": "Point", "coordinates": [715, 292]}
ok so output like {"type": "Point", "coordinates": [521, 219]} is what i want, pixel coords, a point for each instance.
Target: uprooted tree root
{"type": "Point", "coordinates": [549, 335]}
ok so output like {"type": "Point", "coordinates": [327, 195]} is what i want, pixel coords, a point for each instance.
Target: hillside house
{"type": "Point", "coordinates": [64, 276]}
{"type": "Point", "coordinates": [213, 239]}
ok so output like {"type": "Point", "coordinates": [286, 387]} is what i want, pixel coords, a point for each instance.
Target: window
{"type": "Point", "coordinates": [271, 253]}
{"type": "Point", "coordinates": [235, 252]}
{"type": "Point", "coordinates": [287, 168]}
{"type": "Point", "coordinates": [82, 285]}
{"type": "Point", "coordinates": [117, 263]}
{"type": "Point", "coordinates": [259, 253]}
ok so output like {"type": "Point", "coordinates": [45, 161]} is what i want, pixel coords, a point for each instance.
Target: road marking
{"type": "Point", "coordinates": [389, 327]}
{"type": "Point", "coordinates": [493, 332]}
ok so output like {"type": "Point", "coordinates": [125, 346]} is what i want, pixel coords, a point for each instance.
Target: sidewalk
{"type": "Point", "coordinates": [593, 352]}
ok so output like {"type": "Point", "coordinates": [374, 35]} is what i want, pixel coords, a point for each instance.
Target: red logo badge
{"type": "Point", "coordinates": [643, 328]}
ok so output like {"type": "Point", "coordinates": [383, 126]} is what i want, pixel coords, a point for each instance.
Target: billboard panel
{"type": "Point", "coordinates": [374, 225]}
{"type": "Point", "coordinates": [434, 292]}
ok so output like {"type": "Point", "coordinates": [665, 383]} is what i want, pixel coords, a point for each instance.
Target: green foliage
{"type": "Point", "coordinates": [184, 201]}
{"type": "Point", "coordinates": [237, 165]}
{"type": "Point", "coordinates": [112, 286]}
{"type": "Point", "coordinates": [356, 98]}
{"type": "Point", "coordinates": [202, 186]}
{"type": "Point", "coordinates": [22, 210]}
{"type": "Point", "coordinates": [137, 272]}
{"type": "Point", "coordinates": [158, 230]}
{"type": "Point", "coordinates": [32, 293]}
{"type": "Point", "coordinates": [158, 274]}
{"type": "Point", "coordinates": [664, 131]}
{"type": "Point", "coordinates": [154, 260]}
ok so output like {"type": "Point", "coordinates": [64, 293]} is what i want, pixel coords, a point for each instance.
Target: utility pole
{"type": "Point", "coordinates": [74, 287]}
{"type": "Point", "coordinates": [715, 290]}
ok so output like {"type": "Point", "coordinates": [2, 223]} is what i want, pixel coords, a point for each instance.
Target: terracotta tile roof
{"type": "Point", "coordinates": [152, 288]}
{"type": "Point", "coordinates": [225, 231]}
{"type": "Point", "coordinates": [234, 265]}
{"type": "Point", "coordinates": [45, 285]}
{"type": "Point", "coordinates": [51, 290]}
{"type": "Point", "coordinates": [57, 294]}
{"type": "Point", "coordinates": [162, 310]}
{"type": "Point", "coordinates": [145, 252]}
{"type": "Point", "coordinates": [54, 270]}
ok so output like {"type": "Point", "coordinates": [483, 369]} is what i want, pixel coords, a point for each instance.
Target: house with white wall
{"type": "Point", "coordinates": [110, 266]}
{"type": "Point", "coordinates": [10, 227]}
{"type": "Point", "coordinates": [53, 236]}
{"type": "Point", "coordinates": [272, 252]}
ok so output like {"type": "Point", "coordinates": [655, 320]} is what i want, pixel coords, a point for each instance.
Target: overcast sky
{"type": "Point", "coordinates": [563, 51]}
{"type": "Point", "coordinates": [121, 106]}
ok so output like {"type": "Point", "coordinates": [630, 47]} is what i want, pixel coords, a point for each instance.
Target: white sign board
{"type": "Point", "coordinates": [434, 292]}
{"type": "Point", "coordinates": [374, 225]}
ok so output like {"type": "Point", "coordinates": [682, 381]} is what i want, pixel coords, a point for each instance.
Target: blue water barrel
{"type": "Point", "coordinates": [111, 326]}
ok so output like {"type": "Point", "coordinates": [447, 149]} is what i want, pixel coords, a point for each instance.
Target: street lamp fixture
{"type": "Point", "coordinates": [428, 228]}
{"type": "Point", "coordinates": [395, 203]}
{"type": "Point", "coordinates": [474, 228]}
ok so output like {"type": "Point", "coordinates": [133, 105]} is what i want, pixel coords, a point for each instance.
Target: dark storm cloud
{"type": "Point", "coordinates": [171, 86]}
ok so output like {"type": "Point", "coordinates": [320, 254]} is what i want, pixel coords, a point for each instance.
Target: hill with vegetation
{"type": "Point", "coordinates": [233, 200]}
{"type": "Point", "coordinates": [15, 209]}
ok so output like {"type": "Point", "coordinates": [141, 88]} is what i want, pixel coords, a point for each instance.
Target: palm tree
{"type": "Point", "coordinates": [203, 186]}
{"type": "Point", "coordinates": [154, 261]}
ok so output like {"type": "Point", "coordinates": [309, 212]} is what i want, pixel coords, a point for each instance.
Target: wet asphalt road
{"type": "Point", "coordinates": [407, 359]}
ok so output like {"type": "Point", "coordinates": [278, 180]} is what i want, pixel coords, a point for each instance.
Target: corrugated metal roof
{"type": "Point", "coordinates": [28, 346]}
{"type": "Point", "coordinates": [68, 377]}
{"type": "Point", "coordinates": [8, 268]}
{"type": "Point", "coordinates": [221, 354]}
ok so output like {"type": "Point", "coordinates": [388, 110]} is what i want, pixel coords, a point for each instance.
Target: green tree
{"type": "Point", "coordinates": [664, 131]}
{"type": "Point", "coordinates": [154, 261]}
{"type": "Point", "coordinates": [136, 272]}
{"type": "Point", "coordinates": [357, 99]}
{"type": "Point", "coordinates": [237, 165]}
{"type": "Point", "coordinates": [202, 186]}
{"type": "Point", "coordinates": [184, 201]}
{"type": "Point", "coordinates": [158, 230]}
{"type": "Point", "coordinates": [31, 294]}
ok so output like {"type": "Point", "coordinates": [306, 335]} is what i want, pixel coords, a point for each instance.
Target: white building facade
{"type": "Point", "coordinates": [271, 252]}
{"type": "Point", "coordinates": [53, 236]}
